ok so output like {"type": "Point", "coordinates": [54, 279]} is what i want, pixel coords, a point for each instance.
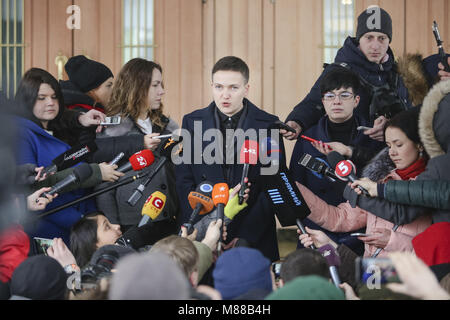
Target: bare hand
{"type": "Point", "coordinates": [377, 132]}
{"type": "Point", "coordinates": [109, 172]}
{"type": "Point", "coordinates": [213, 234]}
{"type": "Point", "coordinates": [61, 253]}
{"type": "Point", "coordinates": [316, 237]}
{"type": "Point", "coordinates": [192, 236]}
{"type": "Point", "coordinates": [378, 238]}
{"type": "Point", "coordinates": [417, 279]}
{"type": "Point", "coordinates": [349, 292]}
{"type": "Point", "coordinates": [91, 118]}
{"type": "Point", "coordinates": [37, 203]}
{"type": "Point", "coordinates": [38, 175]}
{"type": "Point", "coordinates": [237, 188]}
{"type": "Point", "coordinates": [443, 75]}
{"type": "Point", "coordinates": [367, 184]}
{"type": "Point", "coordinates": [150, 143]}
{"type": "Point", "coordinates": [290, 135]}
{"type": "Point", "coordinates": [322, 147]}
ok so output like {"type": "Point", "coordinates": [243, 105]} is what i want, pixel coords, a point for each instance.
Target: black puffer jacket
{"type": "Point", "coordinates": [435, 135]}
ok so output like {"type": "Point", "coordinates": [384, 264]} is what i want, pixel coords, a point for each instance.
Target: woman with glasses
{"type": "Point", "coordinates": [337, 131]}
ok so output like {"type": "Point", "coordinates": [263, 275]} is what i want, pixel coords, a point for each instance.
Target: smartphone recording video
{"type": "Point", "coordinates": [43, 244]}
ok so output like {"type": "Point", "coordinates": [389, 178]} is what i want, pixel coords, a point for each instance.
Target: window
{"type": "Point", "coordinates": [11, 45]}
{"type": "Point", "coordinates": [138, 29]}
{"type": "Point", "coordinates": [338, 21]}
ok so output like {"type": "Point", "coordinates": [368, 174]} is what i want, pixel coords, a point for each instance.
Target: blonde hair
{"type": "Point", "coordinates": [182, 250]}
{"type": "Point", "coordinates": [130, 91]}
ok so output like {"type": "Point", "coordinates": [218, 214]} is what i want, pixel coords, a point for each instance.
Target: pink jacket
{"type": "Point", "coordinates": [344, 218]}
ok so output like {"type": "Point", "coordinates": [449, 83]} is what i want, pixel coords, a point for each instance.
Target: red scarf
{"type": "Point", "coordinates": [413, 170]}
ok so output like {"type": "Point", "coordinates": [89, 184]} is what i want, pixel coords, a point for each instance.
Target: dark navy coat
{"type": "Point", "coordinates": [310, 109]}
{"type": "Point", "coordinates": [256, 223]}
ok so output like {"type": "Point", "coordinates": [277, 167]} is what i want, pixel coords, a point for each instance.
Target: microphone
{"type": "Point", "coordinates": [117, 159]}
{"type": "Point", "coordinates": [318, 167]}
{"type": "Point", "coordinates": [344, 169]}
{"type": "Point", "coordinates": [248, 156]}
{"type": "Point", "coordinates": [71, 157]}
{"type": "Point", "coordinates": [333, 260]}
{"type": "Point", "coordinates": [165, 153]}
{"type": "Point", "coordinates": [152, 207]}
{"type": "Point", "coordinates": [220, 196]}
{"type": "Point", "coordinates": [201, 203]}
{"type": "Point", "coordinates": [138, 161]}
{"type": "Point", "coordinates": [79, 174]}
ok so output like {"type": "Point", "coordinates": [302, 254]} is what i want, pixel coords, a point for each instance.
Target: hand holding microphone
{"type": "Point", "coordinates": [79, 174]}
{"type": "Point", "coordinates": [344, 169]}
{"type": "Point", "coordinates": [248, 156]}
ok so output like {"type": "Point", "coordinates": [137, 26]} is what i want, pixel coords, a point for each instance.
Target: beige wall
{"type": "Point", "coordinates": [281, 41]}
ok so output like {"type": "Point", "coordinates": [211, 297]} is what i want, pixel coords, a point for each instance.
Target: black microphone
{"type": "Point", "coordinates": [344, 169]}
{"type": "Point", "coordinates": [79, 174]}
{"type": "Point", "coordinates": [317, 166]}
{"type": "Point", "coordinates": [71, 157]}
{"type": "Point", "coordinates": [165, 152]}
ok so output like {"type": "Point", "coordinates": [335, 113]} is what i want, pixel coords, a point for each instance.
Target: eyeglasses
{"type": "Point", "coordinates": [330, 96]}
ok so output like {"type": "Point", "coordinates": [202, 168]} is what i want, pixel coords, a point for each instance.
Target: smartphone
{"type": "Point", "coordinates": [372, 271]}
{"type": "Point", "coordinates": [359, 234]}
{"type": "Point", "coordinates": [313, 140]}
{"type": "Point", "coordinates": [363, 128]}
{"type": "Point", "coordinates": [43, 244]}
{"type": "Point", "coordinates": [109, 121]}
{"type": "Point", "coordinates": [281, 125]}
{"type": "Point", "coordinates": [276, 268]}
{"type": "Point", "coordinates": [163, 137]}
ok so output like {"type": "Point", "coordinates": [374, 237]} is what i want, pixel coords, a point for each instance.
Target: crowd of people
{"type": "Point", "coordinates": [149, 227]}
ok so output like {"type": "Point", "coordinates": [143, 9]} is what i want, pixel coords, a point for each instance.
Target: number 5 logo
{"type": "Point", "coordinates": [343, 169]}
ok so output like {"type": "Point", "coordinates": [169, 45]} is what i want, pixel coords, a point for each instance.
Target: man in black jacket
{"type": "Point", "coordinates": [370, 56]}
{"type": "Point", "coordinates": [229, 112]}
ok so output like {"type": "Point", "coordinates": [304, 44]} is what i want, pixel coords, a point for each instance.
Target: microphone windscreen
{"type": "Point", "coordinates": [195, 198]}
{"type": "Point", "coordinates": [220, 194]}
{"type": "Point", "coordinates": [205, 188]}
{"type": "Point", "coordinates": [154, 205]}
{"type": "Point", "coordinates": [249, 152]}
{"type": "Point", "coordinates": [82, 172]}
{"type": "Point", "coordinates": [334, 158]}
{"type": "Point", "coordinates": [330, 254]}
{"type": "Point", "coordinates": [141, 159]}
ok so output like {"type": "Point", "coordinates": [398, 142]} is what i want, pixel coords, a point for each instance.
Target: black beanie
{"type": "Point", "coordinates": [39, 278]}
{"type": "Point", "coordinates": [87, 74]}
{"type": "Point", "coordinates": [367, 22]}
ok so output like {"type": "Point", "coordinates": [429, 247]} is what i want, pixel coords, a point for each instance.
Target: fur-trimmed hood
{"type": "Point", "coordinates": [379, 167]}
{"type": "Point", "coordinates": [434, 128]}
{"type": "Point", "coordinates": [414, 75]}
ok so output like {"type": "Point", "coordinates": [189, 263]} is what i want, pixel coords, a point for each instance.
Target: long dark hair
{"type": "Point", "coordinates": [83, 238]}
{"type": "Point", "coordinates": [28, 91]}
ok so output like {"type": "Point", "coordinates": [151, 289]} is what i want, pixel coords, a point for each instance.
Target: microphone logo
{"type": "Point", "coordinates": [206, 188]}
{"type": "Point", "coordinates": [344, 168]}
{"type": "Point", "coordinates": [154, 204]}
{"type": "Point", "coordinates": [275, 195]}
{"type": "Point", "coordinates": [169, 143]}
{"type": "Point", "coordinates": [142, 161]}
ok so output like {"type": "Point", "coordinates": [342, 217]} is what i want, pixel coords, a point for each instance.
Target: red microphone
{"type": "Point", "coordinates": [249, 155]}
{"type": "Point", "coordinates": [220, 196]}
{"type": "Point", "coordinates": [138, 161]}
